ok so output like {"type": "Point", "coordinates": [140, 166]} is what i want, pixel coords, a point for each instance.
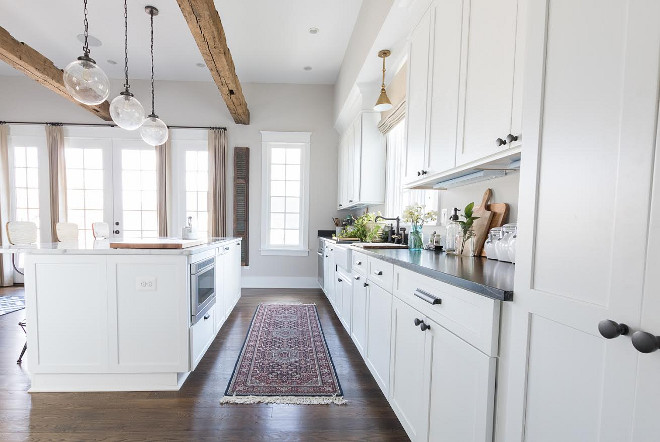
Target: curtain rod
{"type": "Point", "coordinates": [101, 125]}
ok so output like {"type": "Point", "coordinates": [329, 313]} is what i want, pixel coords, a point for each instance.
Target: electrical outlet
{"type": "Point", "coordinates": [443, 217]}
{"type": "Point", "coordinates": [145, 283]}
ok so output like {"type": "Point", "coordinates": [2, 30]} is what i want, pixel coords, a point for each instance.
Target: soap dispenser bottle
{"type": "Point", "coordinates": [453, 229]}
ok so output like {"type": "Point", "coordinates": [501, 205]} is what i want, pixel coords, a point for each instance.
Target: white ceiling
{"type": "Point", "coordinates": [269, 40]}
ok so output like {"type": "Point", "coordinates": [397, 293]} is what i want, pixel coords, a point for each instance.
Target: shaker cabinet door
{"type": "Point", "coordinates": [462, 389]}
{"type": "Point", "coordinates": [409, 395]}
{"type": "Point", "coordinates": [591, 134]}
{"type": "Point", "coordinates": [359, 313]}
{"type": "Point", "coordinates": [417, 99]}
{"type": "Point", "coordinates": [379, 335]}
{"type": "Point", "coordinates": [491, 56]}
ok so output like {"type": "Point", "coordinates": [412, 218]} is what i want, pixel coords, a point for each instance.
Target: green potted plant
{"type": "Point", "coordinates": [364, 228]}
{"type": "Point", "coordinates": [467, 232]}
{"type": "Point", "coordinates": [416, 216]}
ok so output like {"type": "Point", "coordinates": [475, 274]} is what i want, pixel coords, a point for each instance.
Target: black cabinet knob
{"type": "Point", "coordinates": [500, 142]}
{"type": "Point", "coordinates": [339, 280]}
{"type": "Point", "coordinates": [116, 232]}
{"type": "Point", "coordinates": [357, 278]}
{"type": "Point", "coordinates": [645, 342]}
{"type": "Point", "coordinates": [358, 263]}
{"type": "Point", "coordinates": [610, 329]}
{"type": "Point", "coordinates": [511, 138]}
{"type": "Point", "coordinates": [424, 326]}
{"type": "Point", "coordinates": [424, 172]}
{"type": "Point", "coordinates": [378, 273]}
{"type": "Point", "coordinates": [418, 321]}
{"type": "Point", "coordinates": [419, 173]}
{"type": "Point", "coordinates": [366, 285]}
{"type": "Point", "coordinates": [207, 316]}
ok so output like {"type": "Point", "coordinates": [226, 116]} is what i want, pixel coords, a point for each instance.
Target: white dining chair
{"type": "Point", "coordinates": [101, 230]}
{"type": "Point", "coordinates": [21, 233]}
{"type": "Point", "coordinates": [66, 232]}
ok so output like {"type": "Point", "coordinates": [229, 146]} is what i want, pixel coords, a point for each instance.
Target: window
{"type": "Point", "coordinates": [396, 197]}
{"type": "Point", "coordinates": [285, 199]}
{"type": "Point", "coordinates": [84, 183]}
{"type": "Point", "coordinates": [197, 182]}
{"type": "Point", "coordinates": [26, 184]}
{"type": "Point", "coordinates": [139, 196]}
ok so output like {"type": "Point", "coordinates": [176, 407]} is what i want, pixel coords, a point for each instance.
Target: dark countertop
{"type": "Point", "coordinates": [486, 277]}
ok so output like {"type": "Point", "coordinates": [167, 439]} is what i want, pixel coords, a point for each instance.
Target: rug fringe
{"type": "Point", "coordinates": [297, 400]}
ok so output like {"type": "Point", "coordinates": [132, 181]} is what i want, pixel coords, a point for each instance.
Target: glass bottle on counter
{"type": "Point", "coordinates": [494, 236]}
{"type": "Point", "coordinates": [453, 229]}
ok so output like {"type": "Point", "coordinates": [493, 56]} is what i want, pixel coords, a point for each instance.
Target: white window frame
{"type": "Point", "coordinates": [268, 141]}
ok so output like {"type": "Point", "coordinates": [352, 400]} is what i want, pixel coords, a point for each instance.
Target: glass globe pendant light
{"type": "Point", "coordinates": [153, 131]}
{"type": "Point", "coordinates": [125, 109]}
{"type": "Point", "coordinates": [85, 81]}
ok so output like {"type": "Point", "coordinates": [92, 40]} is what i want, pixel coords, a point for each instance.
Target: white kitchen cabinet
{"type": "Point", "coordinates": [591, 118]}
{"type": "Point", "coordinates": [417, 99]}
{"type": "Point", "coordinates": [410, 350]}
{"type": "Point", "coordinates": [343, 297]}
{"type": "Point", "coordinates": [235, 269]}
{"type": "Point", "coordinates": [201, 336]}
{"type": "Point", "coordinates": [379, 312]}
{"type": "Point", "coordinates": [359, 312]}
{"type": "Point", "coordinates": [329, 276]}
{"type": "Point", "coordinates": [222, 292]}
{"type": "Point", "coordinates": [362, 163]}
{"type": "Point", "coordinates": [490, 92]}
{"type": "Point", "coordinates": [462, 389]}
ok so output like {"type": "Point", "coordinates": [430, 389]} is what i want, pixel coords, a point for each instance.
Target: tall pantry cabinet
{"type": "Point", "coordinates": [590, 119]}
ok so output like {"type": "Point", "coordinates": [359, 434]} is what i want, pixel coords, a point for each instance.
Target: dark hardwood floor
{"type": "Point", "coordinates": [194, 412]}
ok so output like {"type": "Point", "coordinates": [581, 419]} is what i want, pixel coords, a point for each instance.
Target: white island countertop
{"type": "Point", "coordinates": [102, 247]}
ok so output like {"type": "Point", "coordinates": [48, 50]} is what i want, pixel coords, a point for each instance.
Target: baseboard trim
{"type": "Point", "coordinates": [279, 282]}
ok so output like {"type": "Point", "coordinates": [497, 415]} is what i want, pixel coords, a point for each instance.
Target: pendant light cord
{"type": "Point", "coordinates": [153, 112]}
{"type": "Point", "coordinates": [86, 23]}
{"type": "Point", "coordinates": [126, 85]}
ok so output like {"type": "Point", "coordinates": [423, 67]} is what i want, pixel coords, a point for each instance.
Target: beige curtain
{"type": "Point", "coordinates": [217, 198]}
{"type": "Point", "coordinates": [163, 166]}
{"type": "Point", "coordinates": [57, 173]}
{"type": "Point", "coordinates": [6, 268]}
{"type": "Point", "coordinates": [395, 116]}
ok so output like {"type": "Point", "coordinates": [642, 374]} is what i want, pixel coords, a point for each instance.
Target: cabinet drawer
{"type": "Point", "coordinates": [201, 336]}
{"type": "Point", "coordinates": [343, 257]}
{"type": "Point", "coordinates": [359, 262]}
{"type": "Point", "coordinates": [381, 273]}
{"type": "Point", "coordinates": [471, 317]}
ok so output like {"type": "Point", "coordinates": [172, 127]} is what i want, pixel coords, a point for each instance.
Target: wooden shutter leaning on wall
{"type": "Point", "coordinates": [241, 200]}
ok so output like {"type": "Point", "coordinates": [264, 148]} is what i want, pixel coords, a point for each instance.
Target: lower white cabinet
{"type": "Point", "coordinates": [379, 312]}
{"type": "Point", "coordinates": [359, 313]}
{"type": "Point", "coordinates": [462, 389]}
{"type": "Point", "coordinates": [221, 291]}
{"type": "Point", "coordinates": [409, 388]}
{"type": "Point", "coordinates": [345, 306]}
{"type": "Point", "coordinates": [201, 336]}
{"type": "Point", "coordinates": [442, 389]}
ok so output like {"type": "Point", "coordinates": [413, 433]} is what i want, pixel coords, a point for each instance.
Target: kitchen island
{"type": "Point", "coordinates": [109, 319]}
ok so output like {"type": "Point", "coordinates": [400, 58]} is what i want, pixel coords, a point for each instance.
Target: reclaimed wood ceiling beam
{"type": "Point", "coordinates": [39, 68]}
{"type": "Point", "coordinates": [205, 25]}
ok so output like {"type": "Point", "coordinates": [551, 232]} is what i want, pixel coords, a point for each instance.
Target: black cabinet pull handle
{"type": "Point", "coordinates": [378, 273]}
{"type": "Point", "coordinates": [500, 142]}
{"type": "Point", "coordinates": [424, 326]}
{"type": "Point", "coordinates": [366, 285]}
{"type": "Point", "coordinates": [207, 316]}
{"type": "Point", "coordinates": [645, 342]}
{"type": "Point", "coordinates": [511, 138]}
{"type": "Point", "coordinates": [610, 329]}
{"type": "Point", "coordinates": [417, 322]}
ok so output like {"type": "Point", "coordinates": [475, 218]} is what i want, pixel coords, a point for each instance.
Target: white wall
{"type": "Point", "coordinates": [274, 107]}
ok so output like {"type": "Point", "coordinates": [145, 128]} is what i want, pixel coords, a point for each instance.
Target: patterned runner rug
{"type": "Point", "coordinates": [284, 360]}
{"type": "Point", "coordinates": [11, 303]}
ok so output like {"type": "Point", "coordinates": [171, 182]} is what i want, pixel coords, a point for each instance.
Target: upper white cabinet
{"type": "Point", "coordinates": [361, 163]}
{"type": "Point", "coordinates": [464, 86]}
{"type": "Point", "coordinates": [490, 91]}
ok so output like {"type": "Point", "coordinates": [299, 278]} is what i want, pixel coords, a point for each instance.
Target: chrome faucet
{"type": "Point", "coordinates": [396, 232]}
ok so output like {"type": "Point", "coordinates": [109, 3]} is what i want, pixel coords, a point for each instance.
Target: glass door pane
{"type": "Point", "coordinates": [135, 190]}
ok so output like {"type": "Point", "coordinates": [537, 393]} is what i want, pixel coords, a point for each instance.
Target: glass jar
{"type": "Point", "coordinates": [511, 245]}
{"type": "Point", "coordinates": [416, 237]}
{"type": "Point", "coordinates": [464, 248]}
{"type": "Point", "coordinates": [502, 246]}
{"type": "Point", "coordinates": [494, 236]}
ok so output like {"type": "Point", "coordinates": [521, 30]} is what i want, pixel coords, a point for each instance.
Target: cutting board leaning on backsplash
{"type": "Point", "coordinates": [481, 225]}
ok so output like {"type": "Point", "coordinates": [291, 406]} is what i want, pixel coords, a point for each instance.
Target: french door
{"type": "Point", "coordinates": [112, 180]}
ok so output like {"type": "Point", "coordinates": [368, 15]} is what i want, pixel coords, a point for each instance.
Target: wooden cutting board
{"type": "Point", "coordinates": [500, 215]}
{"type": "Point", "coordinates": [481, 225]}
{"type": "Point", "coordinates": [157, 243]}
